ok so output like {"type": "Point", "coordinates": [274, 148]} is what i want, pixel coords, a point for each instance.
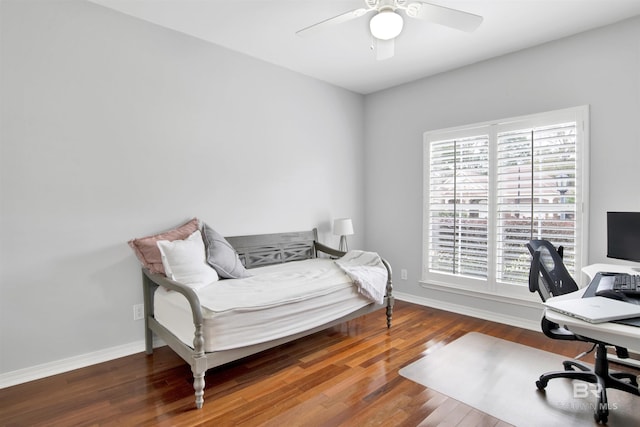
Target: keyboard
{"type": "Point", "coordinates": [628, 284]}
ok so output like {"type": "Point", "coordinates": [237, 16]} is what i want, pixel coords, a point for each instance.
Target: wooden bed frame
{"type": "Point", "coordinates": [254, 251]}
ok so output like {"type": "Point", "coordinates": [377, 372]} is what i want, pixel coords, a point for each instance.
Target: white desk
{"type": "Point", "coordinates": [609, 332]}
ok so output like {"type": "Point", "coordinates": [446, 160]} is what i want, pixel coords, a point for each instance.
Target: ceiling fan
{"type": "Point", "coordinates": [387, 23]}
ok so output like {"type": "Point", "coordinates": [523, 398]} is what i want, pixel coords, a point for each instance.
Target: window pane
{"type": "Point", "coordinates": [441, 206]}
{"type": "Point", "coordinates": [458, 200]}
{"type": "Point", "coordinates": [535, 196]}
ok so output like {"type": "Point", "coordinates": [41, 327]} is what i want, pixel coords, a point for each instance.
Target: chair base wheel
{"type": "Point", "coordinates": [601, 416]}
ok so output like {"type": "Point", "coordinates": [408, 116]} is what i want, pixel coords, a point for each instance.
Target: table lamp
{"type": "Point", "coordinates": [343, 227]}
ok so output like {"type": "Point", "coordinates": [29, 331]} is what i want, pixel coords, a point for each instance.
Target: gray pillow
{"type": "Point", "coordinates": [222, 256]}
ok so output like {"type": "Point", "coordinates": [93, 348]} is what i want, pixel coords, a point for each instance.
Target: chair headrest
{"type": "Point", "coordinates": [548, 275]}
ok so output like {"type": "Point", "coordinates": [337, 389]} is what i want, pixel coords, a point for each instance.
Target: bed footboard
{"type": "Point", "coordinates": [194, 356]}
{"type": "Point", "coordinates": [389, 296]}
{"type": "Point", "coordinates": [319, 247]}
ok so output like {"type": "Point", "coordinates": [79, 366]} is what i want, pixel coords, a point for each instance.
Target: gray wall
{"type": "Point", "coordinates": [600, 68]}
{"type": "Point", "coordinates": [114, 128]}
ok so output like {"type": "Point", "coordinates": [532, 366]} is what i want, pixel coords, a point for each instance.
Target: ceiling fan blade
{"type": "Point", "coordinates": [384, 49]}
{"type": "Point", "coordinates": [453, 18]}
{"type": "Point", "coordinates": [344, 17]}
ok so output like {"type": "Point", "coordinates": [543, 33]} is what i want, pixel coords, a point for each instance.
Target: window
{"type": "Point", "coordinates": [489, 188]}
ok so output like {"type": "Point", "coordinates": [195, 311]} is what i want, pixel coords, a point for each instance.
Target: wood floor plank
{"type": "Point", "coordinates": [344, 376]}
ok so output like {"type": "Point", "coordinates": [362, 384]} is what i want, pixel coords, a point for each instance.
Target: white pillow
{"type": "Point", "coordinates": [185, 261]}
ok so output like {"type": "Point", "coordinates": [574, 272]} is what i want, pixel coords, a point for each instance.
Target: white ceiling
{"type": "Point", "coordinates": [265, 29]}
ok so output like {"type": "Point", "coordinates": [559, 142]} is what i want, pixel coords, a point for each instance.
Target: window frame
{"type": "Point", "coordinates": [490, 287]}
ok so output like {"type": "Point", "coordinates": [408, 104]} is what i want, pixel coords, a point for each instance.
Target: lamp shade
{"type": "Point", "coordinates": [386, 25]}
{"type": "Point", "coordinates": [343, 227]}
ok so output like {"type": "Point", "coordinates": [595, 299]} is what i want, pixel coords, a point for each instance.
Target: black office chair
{"type": "Point", "coordinates": [549, 277]}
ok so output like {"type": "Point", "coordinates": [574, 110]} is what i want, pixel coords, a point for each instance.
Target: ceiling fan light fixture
{"type": "Point", "coordinates": [386, 25]}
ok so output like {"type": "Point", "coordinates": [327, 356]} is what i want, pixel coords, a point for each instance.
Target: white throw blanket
{"type": "Point", "coordinates": [367, 272]}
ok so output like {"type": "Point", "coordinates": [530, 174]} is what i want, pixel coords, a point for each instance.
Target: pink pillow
{"type": "Point", "coordinates": [146, 248]}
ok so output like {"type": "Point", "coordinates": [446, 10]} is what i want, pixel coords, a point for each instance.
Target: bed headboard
{"type": "Point", "coordinates": [266, 249]}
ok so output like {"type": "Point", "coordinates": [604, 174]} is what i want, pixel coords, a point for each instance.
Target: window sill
{"type": "Point", "coordinates": [515, 298]}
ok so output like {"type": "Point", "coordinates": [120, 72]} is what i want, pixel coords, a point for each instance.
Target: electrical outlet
{"type": "Point", "coordinates": [403, 274]}
{"type": "Point", "coordinates": [138, 311]}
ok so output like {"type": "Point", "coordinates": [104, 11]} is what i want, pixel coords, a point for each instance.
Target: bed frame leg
{"type": "Point", "coordinates": [148, 338]}
{"type": "Point", "coordinates": [199, 365]}
{"type": "Point", "coordinates": [390, 299]}
{"type": "Point", "coordinates": [198, 386]}
{"type": "Point", "coordinates": [148, 288]}
{"type": "Point", "coordinates": [199, 368]}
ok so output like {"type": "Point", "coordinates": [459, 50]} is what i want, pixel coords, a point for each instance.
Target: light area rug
{"type": "Point", "coordinates": [498, 377]}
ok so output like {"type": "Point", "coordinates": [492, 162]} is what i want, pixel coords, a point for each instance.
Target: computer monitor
{"type": "Point", "coordinates": [623, 235]}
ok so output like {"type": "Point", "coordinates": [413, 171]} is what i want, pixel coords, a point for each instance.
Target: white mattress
{"type": "Point", "coordinates": [275, 302]}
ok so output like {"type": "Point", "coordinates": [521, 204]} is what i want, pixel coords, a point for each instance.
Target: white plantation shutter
{"type": "Point", "coordinates": [536, 193]}
{"type": "Point", "coordinates": [458, 195]}
{"type": "Point", "coordinates": [490, 188]}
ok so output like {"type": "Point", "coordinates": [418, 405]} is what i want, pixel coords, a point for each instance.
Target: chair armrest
{"type": "Point", "coordinates": [555, 331]}
{"type": "Point", "coordinates": [192, 299]}
{"type": "Point", "coordinates": [188, 293]}
{"type": "Point", "coordinates": [328, 250]}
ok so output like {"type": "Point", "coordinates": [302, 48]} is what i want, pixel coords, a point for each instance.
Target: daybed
{"type": "Point", "coordinates": [208, 334]}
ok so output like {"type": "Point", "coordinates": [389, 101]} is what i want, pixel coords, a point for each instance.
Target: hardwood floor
{"type": "Point", "coordinates": [344, 376]}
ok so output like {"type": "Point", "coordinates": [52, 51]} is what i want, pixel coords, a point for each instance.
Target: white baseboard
{"type": "Point", "coordinates": [48, 369]}
{"type": "Point", "coordinates": [469, 311]}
